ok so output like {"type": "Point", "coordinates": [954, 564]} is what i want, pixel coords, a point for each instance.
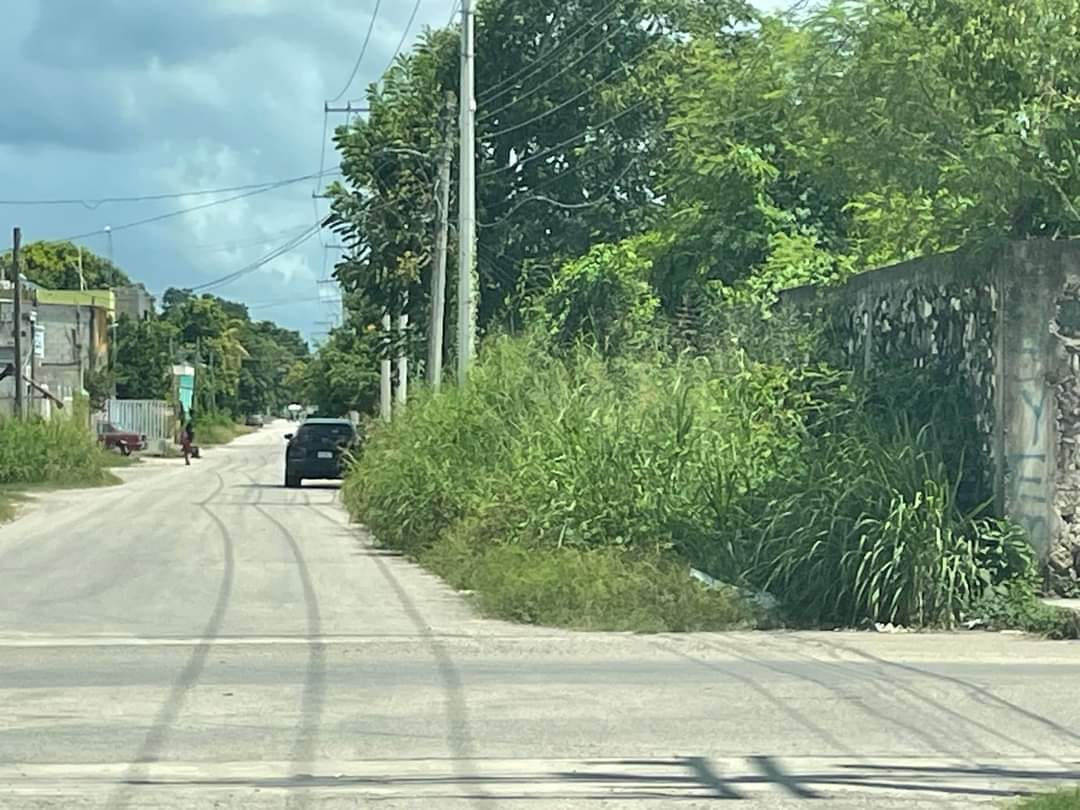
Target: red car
{"type": "Point", "coordinates": [112, 438]}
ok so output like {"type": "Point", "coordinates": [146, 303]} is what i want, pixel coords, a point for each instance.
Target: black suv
{"type": "Point", "coordinates": [319, 449]}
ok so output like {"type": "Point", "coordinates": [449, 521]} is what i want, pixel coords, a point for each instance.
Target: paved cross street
{"type": "Point", "coordinates": [203, 637]}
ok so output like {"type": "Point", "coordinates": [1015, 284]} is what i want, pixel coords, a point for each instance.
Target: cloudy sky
{"type": "Point", "coordinates": [118, 98]}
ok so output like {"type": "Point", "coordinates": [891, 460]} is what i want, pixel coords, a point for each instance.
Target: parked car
{"type": "Point", "coordinates": [255, 420]}
{"type": "Point", "coordinates": [319, 449]}
{"type": "Point", "coordinates": [125, 441]}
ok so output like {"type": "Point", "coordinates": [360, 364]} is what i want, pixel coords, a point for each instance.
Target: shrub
{"type": "Point", "coordinates": [787, 478]}
{"type": "Point", "coordinates": [593, 589]}
{"type": "Point", "coordinates": [866, 526]}
{"type": "Point", "coordinates": [577, 453]}
{"type": "Point", "coordinates": [1015, 604]}
{"type": "Point", "coordinates": [603, 298]}
{"type": "Point", "coordinates": [216, 427]}
{"type": "Point", "coordinates": [58, 451]}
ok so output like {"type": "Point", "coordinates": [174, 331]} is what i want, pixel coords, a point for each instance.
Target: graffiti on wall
{"type": "Point", "coordinates": [1028, 459]}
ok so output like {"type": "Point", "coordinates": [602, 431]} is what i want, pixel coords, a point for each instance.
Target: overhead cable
{"type": "Point", "coordinates": [542, 62]}
{"type": "Point", "coordinates": [360, 58]}
{"type": "Point", "coordinates": [182, 211]}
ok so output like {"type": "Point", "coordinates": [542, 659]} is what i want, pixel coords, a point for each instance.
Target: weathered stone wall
{"type": "Point", "coordinates": [1064, 557]}
{"type": "Point", "coordinates": [1005, 323]}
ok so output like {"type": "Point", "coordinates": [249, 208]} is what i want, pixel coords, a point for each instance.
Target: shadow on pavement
{"type": "Point", "coordinates": [675, 778]}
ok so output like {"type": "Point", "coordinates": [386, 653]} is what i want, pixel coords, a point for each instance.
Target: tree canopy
{"type": "Point", "coordinates": [749, 151]}
{"type": "Point", "coordinates": [55, 265]}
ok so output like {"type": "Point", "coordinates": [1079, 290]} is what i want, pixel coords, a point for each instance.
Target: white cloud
{"type": "Point", "coordinates": [129, 97]}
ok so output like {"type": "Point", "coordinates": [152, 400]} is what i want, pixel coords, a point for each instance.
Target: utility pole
{"type": "Point", "coordinates": [213, 383]}
{"type": "Point", "coordinates": [20, 386]}
{"type": "Point", "coordinates": [467, 195]}
{"type": "Point", "coordinates": [384, 369]}
{"type": "Point", "coordinates": [438, 270]}
{"type": "Point", "coordinates": [402, 350]}
{"type": "Point", "coordinates": [82, 279]}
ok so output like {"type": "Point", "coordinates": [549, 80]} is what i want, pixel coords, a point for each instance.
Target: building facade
{"type": "Point", "coordinates": [133, 301]}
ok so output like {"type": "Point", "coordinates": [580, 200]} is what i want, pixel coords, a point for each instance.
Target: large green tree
{"type": "Point", "coordinates": [55, 265]}
{"type": "Point", "coordinates": [143, 357]}
{"type": "Point", "coordinates": [241, 365]}
{"type": "Point", "coordinates": [571, 114]}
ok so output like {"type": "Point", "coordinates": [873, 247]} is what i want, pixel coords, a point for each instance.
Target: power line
{"type": "Point", "coordinates": [552, 149]}
{"type": "Point", "coordinates": [541, 116]}
{"type": "Point", "coordinates": [404, 36]}
{"type": "Point", "coordinates": [559, 204]}
{"type": "Point", "coordinates": [359, 59]}
{"type": "Point", "coordinates": [289, 301]}
{"type": "Point", "coordinates": [95, 203]}
{"type": "Point", "coordinates": [551, 77]}
{"type": "Point", "coordinates": [235, 244]}
{"type": "Point", "coordinates": [454, 9]}
{"type": "Point", "coordinates": [277, 252]}
{"type": "Point", "coordinates": [182, 211]}
{"type": "Point", "coordinates": [541, 62]}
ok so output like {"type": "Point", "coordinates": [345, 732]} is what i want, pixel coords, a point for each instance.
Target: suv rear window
{"type": "Point", "coordinates": [325, 434]}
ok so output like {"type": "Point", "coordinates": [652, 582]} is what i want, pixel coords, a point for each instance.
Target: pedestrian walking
{"type": "Point", "coordinates": [185, 443]}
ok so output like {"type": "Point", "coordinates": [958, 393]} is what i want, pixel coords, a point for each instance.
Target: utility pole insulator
{"type": "Point", "coordinates": [348, 108]}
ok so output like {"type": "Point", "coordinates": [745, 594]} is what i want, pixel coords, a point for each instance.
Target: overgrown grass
{"type": "Point", "coordinates": [587, 589]}
{"type": "Point", "coordinates": [57, 452]}
{"type": "Point", "coordinates": [218, 428]}
{"type": "Point", "coordinates": [1068, 799]}
{"type": "Point", "coordinates": [577, 491]}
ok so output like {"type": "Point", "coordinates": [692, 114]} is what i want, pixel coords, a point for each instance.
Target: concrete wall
{"type": "Point", "coordinates": [1006, 323]}
{"type": "Point", "coordinates": [76, 342]}
{"type": "Point", "coordinates": [133, 301]}
{"type": "Point", "coordinates": [7, 348]}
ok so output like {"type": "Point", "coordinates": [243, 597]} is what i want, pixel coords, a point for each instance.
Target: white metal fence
{"type": "Point", "coordinates": [153, 418]}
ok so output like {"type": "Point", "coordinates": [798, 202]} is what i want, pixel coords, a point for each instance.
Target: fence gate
{"type": "Point", "coordinates": [153, 417]}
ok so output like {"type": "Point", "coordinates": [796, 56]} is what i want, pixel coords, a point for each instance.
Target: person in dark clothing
{"type": "Point", "coordinates": [185, 445]}
{"type": "Point", "coordinates": [187, 437]}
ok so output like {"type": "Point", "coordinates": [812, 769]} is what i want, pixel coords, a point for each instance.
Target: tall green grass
{"type": "Point", "coordinates": [1064, 799]}
{"type": "Point", "coordinates": [779, 477]}
{"type": "Point", "coordinates": [217, 427]}
{"type": "Point", "coordinates": [59, 451]}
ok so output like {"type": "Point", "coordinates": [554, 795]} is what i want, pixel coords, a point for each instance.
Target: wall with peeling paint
{"type": "Point", "coordinates": [1005, 323]}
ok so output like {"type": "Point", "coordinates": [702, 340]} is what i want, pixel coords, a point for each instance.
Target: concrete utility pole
{"type": "Point", "coordinates": [467, 195]}
{"type": "Point", "coordinates": [384, 370]}
{"type": "Point", "coordinates": [20, 384]}
{"type": "Point", "coordinates": [402, 350]}
{"type": "Point", "coordinates": [438, 269]}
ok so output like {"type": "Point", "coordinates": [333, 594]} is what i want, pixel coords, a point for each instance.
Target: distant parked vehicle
{"type": "Point", "coordinates": [125, 441]}
{"type": "Point", "coordinates": [319, 449]}
{"type": "Point", "coordinates": [255, 420]}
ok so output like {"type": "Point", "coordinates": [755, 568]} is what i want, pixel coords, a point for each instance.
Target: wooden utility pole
{"type": "Point", "coordinates": [438, 270]}
{"type": "Point", "coordinates": [20, 385]}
